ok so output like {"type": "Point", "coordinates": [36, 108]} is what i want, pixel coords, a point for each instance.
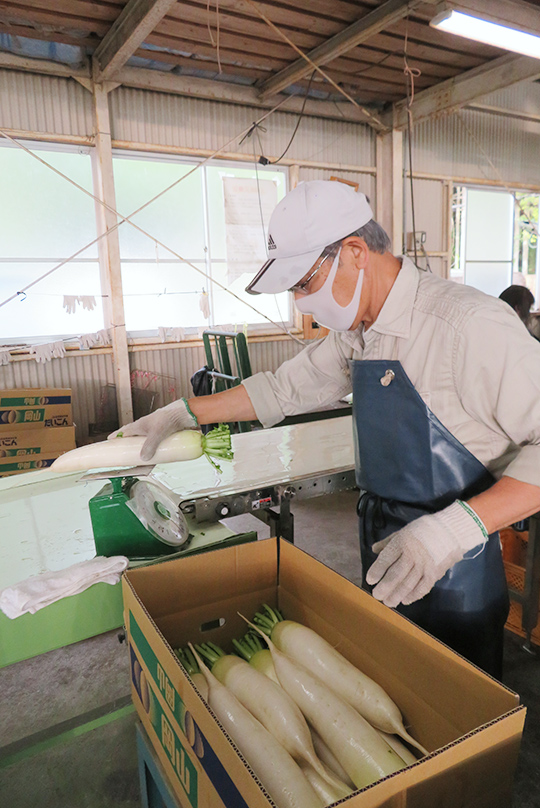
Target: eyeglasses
{"type": "Point", "coordinates": [302, 287]}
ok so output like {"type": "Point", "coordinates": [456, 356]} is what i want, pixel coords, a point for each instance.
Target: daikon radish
{"type": "Point", "coordinates": [405, 754]}
{"type": "Point", "coordinates": [274, 767]}
{"type": "Point", "coordinates": [250, 647]}
{"type": "Point", "coordinates": [315, 653]}
{"type": "Point", "coordinates": [326, 792]}
{"type": "Point", "coordinates": [271, 705]}
{"type": "Point", "coordinates": [124, 452]}
{"type": "Point", "coordinates": [364, 755]}
{"type": "Point", "coordinates": [189, 663]}
{"type": "Point", "coordinates": [327, 757]}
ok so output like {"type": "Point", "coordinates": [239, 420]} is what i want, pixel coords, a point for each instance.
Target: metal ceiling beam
{"type": "Point", "coordinates": [455, 93]}
{"type": "Point", "coordinates": [372, 23]}
{"type": "Point", "coordinates": [137, 20]}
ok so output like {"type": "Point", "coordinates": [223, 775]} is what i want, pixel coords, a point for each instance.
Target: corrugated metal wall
{"type": "Point", "coordinates": [44, 104]}
{"type": "Point", "coordinates": [141, 116]}
{"type": "Point", "coordinates": [478, 145]}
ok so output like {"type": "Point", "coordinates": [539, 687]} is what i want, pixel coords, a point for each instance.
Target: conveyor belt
{"type": "Point", "coordinates": [270, 468]}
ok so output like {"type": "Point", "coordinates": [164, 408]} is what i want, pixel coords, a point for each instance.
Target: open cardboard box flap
{"type": "Point", "coordinates": [471, 723]}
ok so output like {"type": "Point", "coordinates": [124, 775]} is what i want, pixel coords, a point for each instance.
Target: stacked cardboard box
{"type": "Point", "coordinates": [36, 426]}
{"type": "Point", "coordinates": [470, 723]}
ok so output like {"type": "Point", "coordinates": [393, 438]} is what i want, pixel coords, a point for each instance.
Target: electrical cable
{"type": "Point", "coordinates": [276, 301]}
{"type": "Point", "coordinates": [373, 118]}
{"type": "Point", "coordinates": [262, 159]}
{"type": "Point", "coordinates": [410, 74]}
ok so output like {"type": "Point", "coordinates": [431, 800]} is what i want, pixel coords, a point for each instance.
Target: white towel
{"type": "Point", "coordinates": [5, 356]}
{"type": "Point", "coordinates": [41, 590]}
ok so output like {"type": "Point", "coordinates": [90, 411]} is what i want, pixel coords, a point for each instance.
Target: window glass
{"type": "Point", "coordinates": [43, 220]}
{"type": "Point", "coordinates": [41, 312]}
{"type": "Point", "coordinates": [163, 295]}
{"type": "Point", "coordinates": [176, 218]}
{"type": "Point", "coordinates": [216, 219]}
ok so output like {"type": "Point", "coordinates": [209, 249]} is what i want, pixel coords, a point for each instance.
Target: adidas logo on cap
{"type": "Point", "coordinates": [271, 243]}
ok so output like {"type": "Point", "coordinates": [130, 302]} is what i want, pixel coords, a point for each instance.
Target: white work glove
{"type": "Point", "coordinates": [412, 560]}
{"type": "Point", "coordinates": [159, 425]}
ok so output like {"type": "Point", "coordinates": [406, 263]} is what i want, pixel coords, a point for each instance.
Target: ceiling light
{"type": "Point", "coordinates": [490, 33]}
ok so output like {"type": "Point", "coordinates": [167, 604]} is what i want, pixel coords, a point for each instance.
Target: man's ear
{"type": "Point", "coordinates": [359, 250]}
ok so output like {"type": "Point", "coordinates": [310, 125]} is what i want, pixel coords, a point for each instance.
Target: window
{"type": "Point", "coordinates": [43, 220]}
{"type": "Point", "coordinates": [495, 239]}
{"type": "Point", "coordinates": [214, 222]}
{"type": "Point", "coordinates": [215, 219]}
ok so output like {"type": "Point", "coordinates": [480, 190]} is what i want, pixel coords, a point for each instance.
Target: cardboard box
{"type": "Point", "coordinates": [30, 449]}
{"type": "Point", "coordinates": [35, 407]}
{"type": "Point", "coordinates": [22, 442]}
{"type": "Point", "coordinates": [471, 724]}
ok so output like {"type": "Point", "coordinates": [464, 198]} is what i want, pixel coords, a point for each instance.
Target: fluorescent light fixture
{"type": "Point", "coordinates": [490, 33]}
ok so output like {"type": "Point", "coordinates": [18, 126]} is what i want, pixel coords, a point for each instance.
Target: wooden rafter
{"type": "Point", "coordinates": [452, 94]}
{"type": "Point", "coordinates": [137, 19]}
{"type": "Point", "coordinates": [341, 43]}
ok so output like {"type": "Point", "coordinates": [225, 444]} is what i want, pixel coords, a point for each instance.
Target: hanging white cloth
{"type": "Point", "coordinates": [204, 304]}
{"type": "Point", "coordinates": [48, 351]}
{"type": "Point", "coordinates": [88, 302]}
{"type": "Point", "coordinates": [178, 334]}
{"type": "Point", "coordinates": [70, 303]}
{"type": "Point", "coordinates": [5, 357]}
{"type": "Point", "coordinates": [99, 338]}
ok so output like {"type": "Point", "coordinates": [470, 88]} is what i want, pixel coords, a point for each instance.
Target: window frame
{"type": "Point", "coordinates": [262, 329]}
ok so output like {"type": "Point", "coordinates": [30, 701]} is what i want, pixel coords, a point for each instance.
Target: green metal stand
{"type": "Point", "coordinates": [223, 375]}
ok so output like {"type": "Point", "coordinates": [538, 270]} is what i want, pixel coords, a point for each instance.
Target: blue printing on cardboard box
{"type": "Point", "coordinates": [208, 759]}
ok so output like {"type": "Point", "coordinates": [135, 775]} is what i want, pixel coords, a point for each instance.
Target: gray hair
{"type": "Point", "coordinates": [373, 234]}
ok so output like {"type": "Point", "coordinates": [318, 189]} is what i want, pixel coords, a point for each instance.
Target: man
{"type": "Point", "coordinates": [446, 453]}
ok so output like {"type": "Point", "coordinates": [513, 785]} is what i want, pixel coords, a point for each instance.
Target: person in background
{"type": "Point", "coordinates": [446, 453]}
{"type": "Point", "coordinates": [521, 300]}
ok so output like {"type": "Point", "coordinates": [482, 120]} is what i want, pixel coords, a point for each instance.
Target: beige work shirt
{"type": "Point", "coordinates": [468, 355]}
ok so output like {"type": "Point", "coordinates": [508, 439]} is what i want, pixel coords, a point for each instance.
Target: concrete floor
{"type": "Point", "coordinates": [67, 737]}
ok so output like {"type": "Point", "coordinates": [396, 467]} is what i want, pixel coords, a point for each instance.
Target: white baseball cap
{"type": "Point", "coordinates": [312, 216]}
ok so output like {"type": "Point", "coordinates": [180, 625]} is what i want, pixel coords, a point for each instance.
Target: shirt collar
{"type": "Point", "coordinates": [396, 314]}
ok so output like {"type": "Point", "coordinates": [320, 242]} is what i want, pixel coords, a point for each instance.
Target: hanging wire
{"type": "Point", "coordinates": [262, 159]}
{"type": "Point", "coordinates": [373, 118]}
{"type": "Point", "coordinates": [410, 74]}
{"type": "Point", "coordinates": [255, 162]}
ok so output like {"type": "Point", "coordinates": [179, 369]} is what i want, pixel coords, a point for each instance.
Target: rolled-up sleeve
{"type": "Point", "coordinates": [317, 377]}
{"type": "Point", "coordinates": [499, 376]}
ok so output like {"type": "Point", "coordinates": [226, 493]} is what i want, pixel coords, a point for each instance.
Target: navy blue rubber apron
{"type": "Point", "coordinates": [407, 465]}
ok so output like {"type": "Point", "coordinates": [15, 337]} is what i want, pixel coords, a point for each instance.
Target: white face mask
{"type": "Point", "coordinates": [325, 308]}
